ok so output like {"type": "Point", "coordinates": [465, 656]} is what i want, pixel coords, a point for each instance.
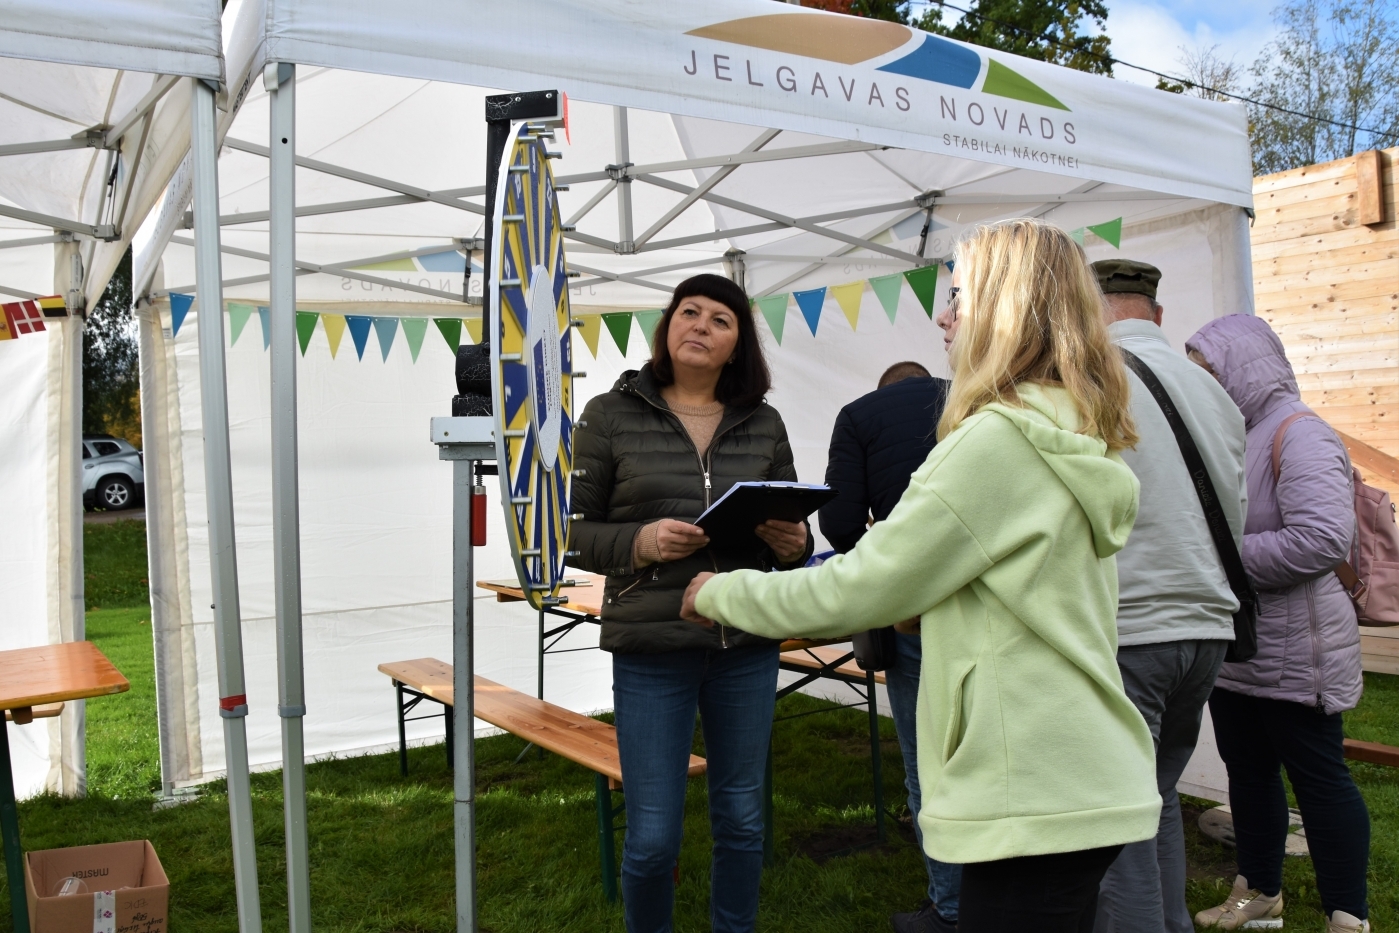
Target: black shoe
{"type": "Point", "coordinates": [925, 919]}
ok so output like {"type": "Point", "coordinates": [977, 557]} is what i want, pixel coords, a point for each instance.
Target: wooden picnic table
{"type": "Point", "coordinates": [34, 683]}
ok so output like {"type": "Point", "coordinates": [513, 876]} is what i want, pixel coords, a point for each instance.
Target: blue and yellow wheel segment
{"type": "Point", "coordinates": [532, 358]}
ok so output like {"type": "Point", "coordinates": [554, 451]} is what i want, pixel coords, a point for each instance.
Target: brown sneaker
{"type": "Point", "coordinates": [1245, 909]}
{"type": "Point", "coordinates": [1342, 922]}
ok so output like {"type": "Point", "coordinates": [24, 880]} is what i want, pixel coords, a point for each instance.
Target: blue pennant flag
{"type": "Point", "coordinates": [359, 330]}
{"type": "Point", "coordinates": [810, 302]}
{"type": "Point", "coordinates": [265, 317]}
{"type": "Point", "coordinates": [385, 328]}
{"type": "Point", "coordinates": [179, 307]}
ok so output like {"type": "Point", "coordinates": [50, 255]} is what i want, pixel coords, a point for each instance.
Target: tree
{"type": "Point", "coordinates": [1327, 86]}
{"type": "Point", "coordinates": [1048, 30]}
{"type": "Point", "coordinates": [111, 371]}
{"type": "Point", "coordinates": [895, 10]}
{"type": "Point", "coordinates": [1205, 75]}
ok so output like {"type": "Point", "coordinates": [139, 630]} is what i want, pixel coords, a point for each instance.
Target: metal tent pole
{"type": "Point", "coordinates": [218, 481]}
{"type": "Point", "coordinates": [463, 683]}
{"type": "Point", "coordinates": [280, 81]}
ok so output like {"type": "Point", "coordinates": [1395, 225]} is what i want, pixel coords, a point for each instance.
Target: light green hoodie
{"type": "Point", "coordinates": [1004, 544]}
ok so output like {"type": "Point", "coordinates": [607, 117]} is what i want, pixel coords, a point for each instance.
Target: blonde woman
{"type": "Point", "coordinates": [1036, 768]}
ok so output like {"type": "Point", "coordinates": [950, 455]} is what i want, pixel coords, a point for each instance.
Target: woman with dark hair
{"type": "Point", "coordinates": [650, 456]}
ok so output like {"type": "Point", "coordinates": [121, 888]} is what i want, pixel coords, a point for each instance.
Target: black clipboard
{"type": "Point", "coordinates": [730, 521]}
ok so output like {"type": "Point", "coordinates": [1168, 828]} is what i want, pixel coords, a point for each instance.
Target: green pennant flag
{"type": "Point", "coordinates": [450, 328]}
{"type": "Point", "coordinates": [886, 289]}
{"type": "Point", "coordinates": [1077, 235]}
{"type": "Point", "coordinates": [305, 327]}
{"type": "Point", "coordinates": [924, 283]}
{"type": "Point", "coordinates": [619, 326]}
{"type": "Point", "coordinates": [648, 321]}
{"type": "Point", "coordinates": [774, 309]}
{"type": "Point", "coordinates": [1110, 231]}
{"type": "Point", "coordinates": [414, 329]}
{"type": "Point", "coordinates": [237, 319]}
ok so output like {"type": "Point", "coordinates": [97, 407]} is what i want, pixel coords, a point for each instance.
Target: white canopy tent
{"type": "Point", "coordinates": [796, 150]}
{"type": "Point", "coordinates": [94, 118]}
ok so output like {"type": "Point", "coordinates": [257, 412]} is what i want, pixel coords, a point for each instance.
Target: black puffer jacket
{"type": "Point", "coordinates": [639, 465]}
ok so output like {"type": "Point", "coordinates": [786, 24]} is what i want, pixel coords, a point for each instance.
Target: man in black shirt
{"type": "Point", "coordinates": [878, 441]}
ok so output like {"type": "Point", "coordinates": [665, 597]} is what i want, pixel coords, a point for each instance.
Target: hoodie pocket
{"type": "Point", "coordinates": [957, 721]}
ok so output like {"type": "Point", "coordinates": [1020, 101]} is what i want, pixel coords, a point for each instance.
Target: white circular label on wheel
{"type": "Point", "coordinates": [545, 366]}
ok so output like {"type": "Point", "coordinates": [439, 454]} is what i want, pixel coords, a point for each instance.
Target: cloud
{"type": "Point", "coordinates": [1152, 34]}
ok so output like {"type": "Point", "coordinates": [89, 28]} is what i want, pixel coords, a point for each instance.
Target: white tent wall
{"type": "Point", "coordinates": [376, 523]}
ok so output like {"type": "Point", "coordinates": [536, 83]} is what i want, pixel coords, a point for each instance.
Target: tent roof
{"type": "Point", "coordinates": [808, 184]}
{"type": "Point", "coordinates": [93, 121]}
{"type": "Point", "coordinates": [761, 64]}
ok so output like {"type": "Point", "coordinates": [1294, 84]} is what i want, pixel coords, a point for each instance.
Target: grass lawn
{"type": "Point", "coordinates": [381, 846]}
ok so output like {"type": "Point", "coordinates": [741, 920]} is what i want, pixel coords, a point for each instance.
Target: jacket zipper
{"type": "Point", "coordinates": [1316, 651]}
{"type": "Point", "coordinates": [704, 465]}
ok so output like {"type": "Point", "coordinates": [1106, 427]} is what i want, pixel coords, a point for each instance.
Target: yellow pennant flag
{"type": "Point", "coordinates": [334, 325]}
{"type": "Point", "coordinates": [590, 330]}
{"type": "Point", "coordinates": [473, 328]}
{"type": "Point", "coordinates": [848, 297]}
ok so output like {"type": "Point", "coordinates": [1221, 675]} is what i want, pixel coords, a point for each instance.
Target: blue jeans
{"type": "Point", "coordinates": [901, 680]}
{"type": "Point", "coordinates": [656, 697]}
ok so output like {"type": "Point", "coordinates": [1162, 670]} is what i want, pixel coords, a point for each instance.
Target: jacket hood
{"type": "Point", "coordinates": [1105, 488]}
{"type": "Point", "coordinates": [1249, 359]}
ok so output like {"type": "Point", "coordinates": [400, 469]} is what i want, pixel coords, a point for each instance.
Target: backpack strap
{"type": "Point", "coordinates": [1282, 431]}
{"type": "Point", "coordinates": [1349, 579]}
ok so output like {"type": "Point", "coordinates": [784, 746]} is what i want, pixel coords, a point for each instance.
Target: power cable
{"type": "Point", "coordinates": [1045, 37]}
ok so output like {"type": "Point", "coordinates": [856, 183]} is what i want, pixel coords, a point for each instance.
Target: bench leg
{"type": "Point", "coordinates": [769, 834]}
{"type": "Point", "coordinates": [606, 847]}
{"type": "Point", "coordinates": [876, 764]}
{"type": "Point", "coordinates": [402, 732]}
{"type": "Point", "coordinates": [451, 741]}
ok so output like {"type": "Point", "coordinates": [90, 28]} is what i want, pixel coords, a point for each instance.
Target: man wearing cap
{"type": "Point", "coordinates": [1175, 608]}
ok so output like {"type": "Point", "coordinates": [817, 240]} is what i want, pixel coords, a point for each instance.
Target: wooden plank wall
{"type": "Point", "coordinates": [1326, 277]}
{"type": "Point", "coordinates": [1328, 283]}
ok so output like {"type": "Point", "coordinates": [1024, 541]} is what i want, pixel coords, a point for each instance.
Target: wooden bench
{"type": "Point", "coordinates": [1373, 752]}
{"type": "Point", "coordinates": [581, 739]}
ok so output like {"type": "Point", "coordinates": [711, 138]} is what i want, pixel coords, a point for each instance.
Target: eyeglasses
{"type": "Point", "coordinates": [953, 294]}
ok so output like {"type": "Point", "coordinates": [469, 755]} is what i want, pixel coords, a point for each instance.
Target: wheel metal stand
{"type": "Point", "coordinates": [467, 442]}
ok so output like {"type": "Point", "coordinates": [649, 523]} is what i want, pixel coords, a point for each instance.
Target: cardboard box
{"type": "Point", "coordinates": [130, 870]}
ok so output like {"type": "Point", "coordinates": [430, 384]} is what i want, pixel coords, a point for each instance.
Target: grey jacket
{"type": "Point", "coordinates": [1171, 584]}
{"type": "Point", "coordinates": [1299, 528]}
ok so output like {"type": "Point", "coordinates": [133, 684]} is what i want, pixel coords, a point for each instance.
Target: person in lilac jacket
{"type": "Point", "coordinates": [1283, 707]}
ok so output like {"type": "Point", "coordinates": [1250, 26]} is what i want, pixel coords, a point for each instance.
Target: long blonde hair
{"type": "Point", "coordinates": [1031, 311]}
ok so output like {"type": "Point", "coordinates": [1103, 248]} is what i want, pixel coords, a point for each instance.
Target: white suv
{"type": "Point", "coordinates": [113, 477]}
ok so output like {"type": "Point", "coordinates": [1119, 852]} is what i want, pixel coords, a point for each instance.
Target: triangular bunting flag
{"type": "Point", "coordinates": [1077, 235]}
{"type": "Point", "coordinates": [774, 309]}
{"type": "Point", "coordinates": [473, 328]}
{"type": "Point", "coordinates": [305, 327]}
{"type": "Point", "coordinates": [179, 307]}
{"type": "Point", "coordinates": [265, 316]}
{"type": "Point", "coordinates": [648, 320]}
{"type": "Point", "coordinates": [848, 297]}
{"type": "Point", "coordinates": [951, 265]}
{"type": "Point", "coordinates": [385, 328]}
{"type": "Point", "coordinates": [450, 328]}
{"type": "Point", "coordinates": [924, 283]}
{"type": "Point", "coordinates": [1110, 231]}
{"type": "Point", "coordinates": [237, 319]}
{"type": "Point", "coordinates": [886, 289]}
{"type": "Point", "coordinates": [810, 302]}
{"type": "Point", "coordinates": [619, 326]}
{"type": "Point", "coordinates": [359, 331]}
{"type": "Point", "coordinates": [591, 330]}
{"type": "Point", "coordinates": [334, 325]}
{"type": "Point", "coordinates": [414, 329]}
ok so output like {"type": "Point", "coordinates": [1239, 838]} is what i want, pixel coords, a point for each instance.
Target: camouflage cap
{"type": "Point", "coordinates": [1127, 275]}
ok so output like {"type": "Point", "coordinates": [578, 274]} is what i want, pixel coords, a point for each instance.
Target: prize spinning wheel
{"type": "Point", "coordinates": [532, 364]}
